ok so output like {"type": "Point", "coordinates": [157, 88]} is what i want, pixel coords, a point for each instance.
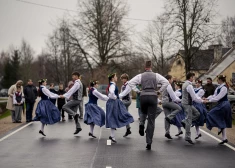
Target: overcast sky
{"type": "Point", "coordinates": [33, 23]}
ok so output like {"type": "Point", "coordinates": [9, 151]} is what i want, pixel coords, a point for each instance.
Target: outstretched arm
{"type": "Point", "coordinates": [100, 95]}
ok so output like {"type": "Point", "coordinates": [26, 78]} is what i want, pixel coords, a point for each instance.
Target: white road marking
{"type": "Point", "coordinates": [108, 142]}
{"type": "Point", "coordinates": [231, 147]}
{"type": "Point", "coordinates": [5, 137]}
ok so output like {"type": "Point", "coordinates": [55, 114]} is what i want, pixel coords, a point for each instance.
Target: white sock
{"type": "Point", "coordinates": [92, 128]}
{"type": "Point", "coordinates": [112, 133]}
{"type": "Point", "coordinates": [179, 129]}
{"type": "Point", "coordinates": [42, 127]}
{"type": "Point", "coordinates": [224, 134]}
{"type": "Point", "coordinates": [197, 130]}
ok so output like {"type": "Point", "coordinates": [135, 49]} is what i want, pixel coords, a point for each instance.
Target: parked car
{"type": "Point", "coordinates": [102, 88]}
{"type": "Point", "coordinates": [4, 93]}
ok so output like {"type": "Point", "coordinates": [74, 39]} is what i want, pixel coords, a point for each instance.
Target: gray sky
{"type": "Point", "coordinates": [33, 23]}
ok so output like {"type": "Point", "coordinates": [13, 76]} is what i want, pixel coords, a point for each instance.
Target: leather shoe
{"type": "Point", "coordinates": [190, 141]}
{"type": "Point", "coordinates": [148, 147]}
{"type": "Point", "coordinates": [41, 132]}
{"type": "Point", "coordinates": [112, 139]}
{"type": "Point", "coordinates": [77, 131]}
{"type": "Point", "coordinates": [181, 132]}
{"type": "Point", "coordinates": [90, 134]}
{"type": "Point", "coordinates": [199, 135]}
{"type": "Point", "coordinates": [183, 124]}
{"type": "Point", "coordinates": [128, 132]}
{"type": "Point", "coordinates": [224, 141]}
{"type": "Point", "coordinates": [168, 136]}
{"type": "Point", "coordinates": [141, 130]}
{"type": "Point", "coordinates": [168, 120]}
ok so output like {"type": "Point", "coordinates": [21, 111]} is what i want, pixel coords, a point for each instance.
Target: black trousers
{"type": "Point", "coordinates": [61, 110]}
{"type": "Point", "coordinates": [148, 104]}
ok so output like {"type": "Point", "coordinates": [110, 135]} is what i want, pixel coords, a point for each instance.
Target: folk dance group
{"type": "Point", "coordinates": [183, 108]}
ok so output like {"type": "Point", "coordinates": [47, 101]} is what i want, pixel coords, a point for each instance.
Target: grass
{"type": "Point", "coordinates": [233, 118]}
{"type": "Point", "coordinates": [5, 114]}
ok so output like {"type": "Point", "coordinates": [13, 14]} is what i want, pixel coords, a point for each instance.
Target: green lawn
{"type": "Point", "coordinates": [5, 114]}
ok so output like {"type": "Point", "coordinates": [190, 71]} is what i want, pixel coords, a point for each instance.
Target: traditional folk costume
{"type": "Point", "coordinates": [221, 115]}
{"type": "Point", "coordinates": [170, 107]}
{"type": "Point", "coordinates": [18, 102]}
{"type": "Point", "coordinates": [94, 115]}
{"type": "Point", "coordinates": [192, 114]}
{"type": "Point", "coordinates": [117, 115]}
{"type": "Point", "coordinates": [203, 112]}
{"type": "Point", "coordinates": [71, 106]}
{"type": "Point", "coordinates": [46, 111]}
{"type": "Point", "coordinates": [148, 100]}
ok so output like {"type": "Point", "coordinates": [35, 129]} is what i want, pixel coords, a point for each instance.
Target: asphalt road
{"type": "Point", "coordinates": [61, 149]}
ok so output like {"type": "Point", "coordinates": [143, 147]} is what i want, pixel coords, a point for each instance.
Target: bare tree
{"type": "Point", "coordinates": [228, 31]}
{"type": "Point", "coordinates": [191, 21]}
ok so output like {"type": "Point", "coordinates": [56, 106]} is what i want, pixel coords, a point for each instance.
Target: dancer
{"type": "Point", "coordinates": [126, 99]}
{"type": "Point", "coordinates": [192, 114]}
{"type": "Point", "coordinates": [72, 106]}
{"type": "Point", "coordinates": [200, 107]}
{"type": "Point", "coordinates": [148, 98]}
{"type": "Point", "coordinates": [46, 111]}
{"type": "Point", "coordinates": [94, 115]}
{"type": "Point", "coordinates": [221, 115]}
{"type": "Point", "coordinates": [170, 106]}
{"type": "Point", "coordinates": [117, 115]}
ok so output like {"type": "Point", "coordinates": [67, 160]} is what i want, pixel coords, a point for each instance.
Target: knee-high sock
{"type": "Point", "coordinates": [224, 134]}
{"type": "Point", "coordinates": [112, 133]}
{"type": "Point", "coordinates": [197, 130]}
{"type": "Point", "coordinates": [92, 128]}
{"type": "Point", "coordinates": [179, 129]}
{"type": "Point", "coordinates": [42, 127]}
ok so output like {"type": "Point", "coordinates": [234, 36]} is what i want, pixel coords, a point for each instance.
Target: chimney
{"type": "Point", "coordinates": [233, 44]}
{"type": "Point", "coordinates": [217, 52]}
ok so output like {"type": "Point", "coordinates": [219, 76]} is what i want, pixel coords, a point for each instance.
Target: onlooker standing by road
{"type": "Point", "coordinates": [52, 89]}
{"type": "Point", "coordinates": [61, 101]}
{"type": "Point", "coordinates": [18, 101]}
{"type": "Point", "coordinates": [209, 89]}
{"type": "Point", "coordinates": [11, 92]}
{"type": "Point", "coordinates": [30, 94]}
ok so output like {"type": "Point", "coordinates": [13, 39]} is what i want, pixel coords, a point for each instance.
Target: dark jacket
{"type": "Point", "coordinates": [209, 90]}
{"type": "Point", "coordinates": [30, 93]}
{"type": "Point", "coordinates": [84, 93]}
{"type": "Point", "coordinates": [53, 100]}
{"type": "Point", "coordinates": [61, 101]}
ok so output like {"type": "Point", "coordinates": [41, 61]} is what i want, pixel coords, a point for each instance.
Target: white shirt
{"type": "Point", "coordinates": [192, 93]}
{"type": "Point", "coordinates": [71, 91]}
{"type": "Point", "coordinates": [14, 99]}
{"type": "Point", "coordinates": [99, 95]}
{"type": "Point", "coordinates": [178, 93]}
{"type": "Point", "coordinates": [111, 94]}
{"type": "Point", "coordinates": [172, 94]}
{"type": "Point", "coordinates": [48, 93]}
{"type": "Point", "coordinates": [216, 97]}
{"type": "Point", "coordinates": [137, 80]}
{"type": "Point", "coordinates": [200, 93]}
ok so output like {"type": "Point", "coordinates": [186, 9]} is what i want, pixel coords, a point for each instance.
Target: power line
{"type": "Point", "coordinates": [69, 10]}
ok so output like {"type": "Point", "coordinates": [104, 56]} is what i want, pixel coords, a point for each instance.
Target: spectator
{"type": "Point", "coordinates": [61, 101]}
{"type": "Point", "coordinates": [18, 102]}
{"type": "Point", "coordinates": [30, 94]}
{"type": "Point", "coordinates": [209, 88]}
{"type": "Point", "coordinates": [11, 92]}
{"type": "Point", "coordinates": [53, 91]}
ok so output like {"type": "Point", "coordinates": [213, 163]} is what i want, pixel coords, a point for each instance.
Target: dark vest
{"type": "Point", "coordinates": [225, 98]}
{"type": "Point", "coordinates": [43, 96]}
{"type": "Point", "coordinates": [115, 91]}
{"type": "Point", "coordinates": [18, 97]}
{"type": "Point", "coordinates": [186, 97]}
{"type": "Point", "coordinates": [127, 97]}
{"type": "Point", "coordinates": [78, 94]}
{"type": "Point", "coordinates": [92, 98]}
{"type": "Point", "coordinates": [148, 83]}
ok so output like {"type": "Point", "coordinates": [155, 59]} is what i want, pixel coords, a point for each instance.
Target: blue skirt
{"type": "Point", "coordinates": [47, 112]}
{"type": "Point", "coordinates": [220, 116]}
{"type": "Point", "coordinates": [94, 115]}
{"type": "Point", "coordinates": [178, 118]}
{"type": "Point", "coordinates": [116, 114]}
{"type": "Point", "coordinates": [203, 114]}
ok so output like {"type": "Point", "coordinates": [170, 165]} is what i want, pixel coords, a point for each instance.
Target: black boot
{"type": "Point", "coordinates": [77, 131]}
{"type": "Point", "coordinates": [128, 132]}
{"type": "Point", "coordinates": [90, 134]}
{"type": "Point", "coordinates": [41, 132]}
{"type": "Point", "coordinates": [141, 130]}
{"type": "Point", "coordinates": [148, 147]}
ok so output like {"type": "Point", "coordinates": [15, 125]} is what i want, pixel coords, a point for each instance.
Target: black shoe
{"type": "Point", "coordinates": [112, 139]}
{"type": "Point", "coordinates": [183, 124]}
{"type": "Point", "coordinates": [224, 141]}
{"type": "Point", "coordinates": [168, 120]}
{"type": "Point", "coordinates": [18, 122]}
{"type": "Point", "coordinates": [198, 136]}
{"type": "Point", "coordinates": [77, 131]}
{"type": "Point", "coordinates": [76, 117]}
{"type": "Point", "coordinates": [40, 132]}
{"type": "Point", "coordinates": [148, 147]}
{"type": "Point", "coordinates": [168, 136]}
{"type": "Point", "coordinates": [128, 132]}
{"type": "Point", "coordinates": [181, 132]}
{"type": "Point", "coordinates": [90, 134]}
{"type": "Point", "coordinates": [190, 141]}
{"type": "Point", "coordinates": [80, 117]}
{"type": "Point", "coordinates": [220, 131]}
{"type": "Point", "coordinates": [141, 130]}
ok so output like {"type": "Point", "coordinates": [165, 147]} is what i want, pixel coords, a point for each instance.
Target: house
{"type": "Point", "coordinates": [202, 61]}
{"type": "Point", "coordinates": [225, 65]}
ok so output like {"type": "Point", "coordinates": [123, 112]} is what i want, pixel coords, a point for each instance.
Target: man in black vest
{"type": "Point", "coordinates": [148, 98]}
